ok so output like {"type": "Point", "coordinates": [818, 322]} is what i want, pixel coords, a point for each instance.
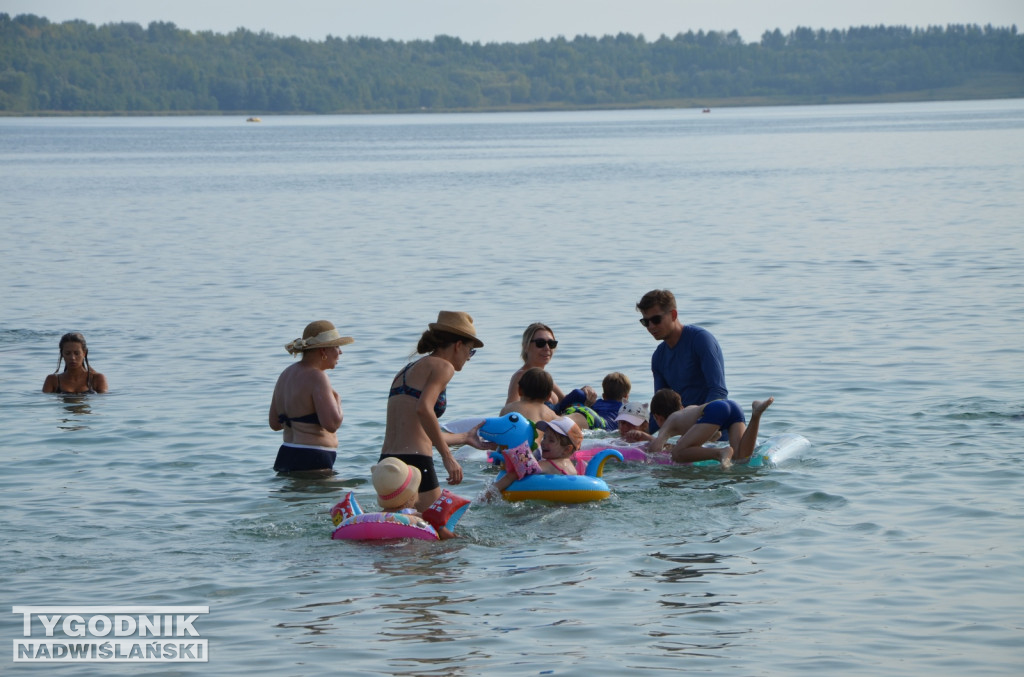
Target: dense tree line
{"type": "Point", "coordinates": [75, 66]}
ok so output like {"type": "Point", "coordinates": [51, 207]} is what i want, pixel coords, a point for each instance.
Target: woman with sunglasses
{"type": "Point", "coordinates": [688, 360]}
{"type": "Point", "coordinates": [418, 399]}
{"type": "Point", "coordinates": [539, 345]}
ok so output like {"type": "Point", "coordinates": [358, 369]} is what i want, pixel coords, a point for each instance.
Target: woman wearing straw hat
{"type": "Point", "coordinates": [305, 406]}
{"type": "Point", "coordinates": [417, 400]}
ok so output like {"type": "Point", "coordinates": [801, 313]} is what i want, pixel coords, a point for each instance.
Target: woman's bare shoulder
{"type": "Point", "coordinates": [437, 365]}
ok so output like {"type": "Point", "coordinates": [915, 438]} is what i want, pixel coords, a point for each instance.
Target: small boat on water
{"type": "Point", "coordinates": [706, 110]}
{"type": "Point", "coordinates": [253, 119]}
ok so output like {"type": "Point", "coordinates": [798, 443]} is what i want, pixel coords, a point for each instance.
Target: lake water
{"type": "Point", "coordinates": [860, 263]}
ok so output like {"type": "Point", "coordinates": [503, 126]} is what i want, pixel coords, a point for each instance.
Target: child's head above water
{"type": "Point", "coordinates": [615, 386]}
{"type": "Point", "coordinates": [397, 484]}
{"type": "Point", "coordinates": [536, 384]}
{"type": "Point", "coordinates": [632, 416]}
{"type": "Point", "coordinates": [561, 437]}
{"type": "Point", "coordinates": [665, 403]}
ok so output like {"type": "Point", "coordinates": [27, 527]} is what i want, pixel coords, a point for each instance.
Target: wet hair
{"type": "Point", "coordinates": [536, 384]}
{"type": "Point", "coordinates": [530, 331]}
{"type": "Point", "coordinates": [433, 339]}
{"type": "Point", "coordinates": [615, 386]}
{"type": "Point", "coordinates": [666, 402]}
{"type": "Point", "coordinates": [75, 337]}
{"type": "Point", "coordinates": [657, 297]}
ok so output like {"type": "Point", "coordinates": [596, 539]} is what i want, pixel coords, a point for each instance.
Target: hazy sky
{"type": "Point", "coordinates": [522, 20]}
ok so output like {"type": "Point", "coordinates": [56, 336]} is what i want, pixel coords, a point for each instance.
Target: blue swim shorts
{"type": "Point", "coordinates": [295, 457]}
{"type": "Point", "coordinates": [722, 413]}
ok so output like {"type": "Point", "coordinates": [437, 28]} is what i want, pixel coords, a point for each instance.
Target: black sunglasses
{"type": "Point", "coordinates": [550, 343]}
{"type": "Point", "coordinates": [653, 319]}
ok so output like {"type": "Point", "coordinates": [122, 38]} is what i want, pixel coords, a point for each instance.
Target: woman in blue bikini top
{"type": "Point", "coordinates": [418, 398]}
{"type": "Point", "coordinates": [404, 389]}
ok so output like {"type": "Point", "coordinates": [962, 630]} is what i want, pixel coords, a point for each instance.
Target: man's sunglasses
{"type": "Point", "coordinates": [550, 343]}
{"type": "Point", "coordinates": [653, 319]}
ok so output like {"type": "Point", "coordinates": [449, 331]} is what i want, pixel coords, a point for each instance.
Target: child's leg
{"type": "Point", "coordinates": [690, 447]}
{"type": "Point", "coordinates": [748, 434]}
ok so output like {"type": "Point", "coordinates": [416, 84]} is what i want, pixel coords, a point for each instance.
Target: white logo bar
{"type": "Point", "coordinates": [110, 634]}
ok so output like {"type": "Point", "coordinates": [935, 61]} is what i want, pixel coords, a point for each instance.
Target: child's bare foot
{"type": "Point", "coordinates": [725, 457]}
{"type": "Point", "coordinates": [758, 407]}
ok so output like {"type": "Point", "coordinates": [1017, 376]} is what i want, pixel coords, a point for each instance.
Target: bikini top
{"type": "Point", "coordinates": [88, 384]}
{"type": "Point", "coordinates": [306, 418]}
{"type": "Point", "coordinates": [558, 468]}
{"type": "Point", "coordinates": [442, 399]}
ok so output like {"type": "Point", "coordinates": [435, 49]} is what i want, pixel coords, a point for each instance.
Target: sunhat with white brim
{"type": "Point", "coordinates": [319, 334]}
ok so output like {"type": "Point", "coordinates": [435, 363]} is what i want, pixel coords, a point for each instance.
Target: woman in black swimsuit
{"type": "Point", "coordinates": [78, 376]}
{"type": "Point", "coordinates": [417, 400]}
{"type": "Point", "coordinates": [305, 406]}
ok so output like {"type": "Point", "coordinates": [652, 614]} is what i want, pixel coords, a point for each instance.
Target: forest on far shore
{"type": "Point", "coordinates": [76, 67]}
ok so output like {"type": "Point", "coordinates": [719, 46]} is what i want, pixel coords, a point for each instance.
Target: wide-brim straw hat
{"type": "Point", "coordinates": [319, 334]}
{"type": "Point", "coordinates": [458, 323]}
{"type": "Point", "coordinates": [395, 482]}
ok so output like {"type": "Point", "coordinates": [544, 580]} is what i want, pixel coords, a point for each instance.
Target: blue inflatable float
{"type": "Point", "coordinates": [512, 430]}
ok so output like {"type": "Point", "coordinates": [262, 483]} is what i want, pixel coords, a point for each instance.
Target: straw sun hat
{"type": "Point", "coordinates": [395, 482]}
{"type": "Point", "coordinates": [319, 334]}
{"type": "Point", "coordinates": [458, 323]}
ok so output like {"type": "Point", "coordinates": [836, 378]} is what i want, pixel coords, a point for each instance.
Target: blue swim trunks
{"type": "Point", "coordinates": [722, 413]}
{"type": "Point", "coordinates": [296, 457]}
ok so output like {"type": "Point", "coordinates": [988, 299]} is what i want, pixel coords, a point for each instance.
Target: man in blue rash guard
{"type": "Point", "coordinates": [688, 360]}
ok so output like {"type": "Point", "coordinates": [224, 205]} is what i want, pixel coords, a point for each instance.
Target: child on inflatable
{"type": "Point", "coordinates": [632, 422]}
{"type": "Point", "coordinates": [632, 425]}
{"type": "Point", "coordinates": [398, 485]}
{"type": "Point", "coordinates": [561, 438]}
{"type": "Point", "coordinates": [701, 423]}
{"type": "Point", "coordinates": [601, 415]}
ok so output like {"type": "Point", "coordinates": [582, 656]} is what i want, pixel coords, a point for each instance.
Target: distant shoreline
{"type": "Point", "coordinates": [997, 86]}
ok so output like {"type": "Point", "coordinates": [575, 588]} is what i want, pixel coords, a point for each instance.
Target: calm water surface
{"type": "Point", "coordinates": [860, 263]}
